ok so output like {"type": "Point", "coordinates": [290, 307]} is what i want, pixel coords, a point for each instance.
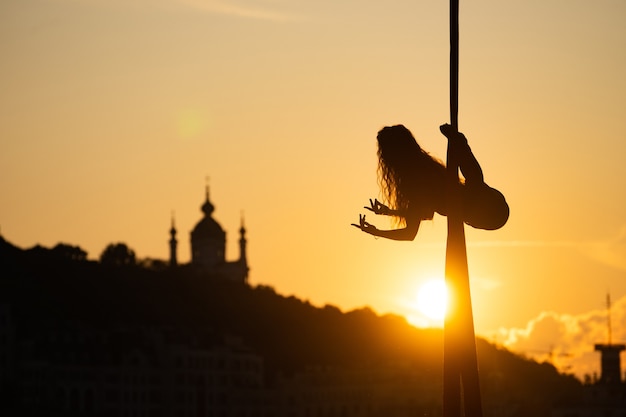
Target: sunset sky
{"type": "Point", "coordinates": [113, 113]}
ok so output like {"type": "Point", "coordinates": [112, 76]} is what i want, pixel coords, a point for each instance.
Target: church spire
{"type": "Point", "coordinates": [242, 246]}
{"type": "Point", "coordinates": [207, 208]}
{"type": "Point", "coordinates": [173, 244]}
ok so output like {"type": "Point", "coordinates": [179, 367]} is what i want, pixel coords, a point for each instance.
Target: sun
{"type": "Point", "coordinates": [432, 299]}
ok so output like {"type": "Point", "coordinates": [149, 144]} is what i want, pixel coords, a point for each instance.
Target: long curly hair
{"type": "Point", "coordinates": [411, 180]}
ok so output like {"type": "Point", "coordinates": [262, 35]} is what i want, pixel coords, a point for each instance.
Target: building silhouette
{"type": "Point", "coordinates": [72, 370]}
{"type": "Point", "coordinates": [610, 364]}
{"type": "Point", "coordinates": [69, 369]}
{"type": "Point", "coordinates": [208, 247]}
{"type": "Point", "coordinates": [605, 397]}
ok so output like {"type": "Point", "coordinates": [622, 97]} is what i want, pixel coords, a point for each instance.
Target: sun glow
{"type": "Point", "coordinates": [432, 299]}
{"type": "Point", "coordinates": [192, 123]}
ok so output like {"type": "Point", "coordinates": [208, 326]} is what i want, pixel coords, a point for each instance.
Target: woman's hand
{"type": "Point", "coordinates": [452, 134]}
{"type": "Point", "coordinates": [365, 226]}
{"type": "Point", "coordinates": [378, 208]}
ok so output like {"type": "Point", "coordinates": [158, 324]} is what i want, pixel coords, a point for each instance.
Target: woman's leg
{"type": "Point", "coordinates": [462, 155]}
{"type": "Point", "coordinates": [470, 168]}
{"type": "Point", "coordinates": [484, 207]}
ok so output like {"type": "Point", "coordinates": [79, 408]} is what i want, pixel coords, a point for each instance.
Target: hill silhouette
{"type": "Point", "coordinates": [48, 288]}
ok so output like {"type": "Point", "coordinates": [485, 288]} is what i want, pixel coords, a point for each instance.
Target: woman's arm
{"type": "Point", "coordinates": [406, 233]}
{"type": "Point", "coordinates": [470, 168]}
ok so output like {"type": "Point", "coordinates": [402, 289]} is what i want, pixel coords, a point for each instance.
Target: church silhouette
{"type": "Point", "coordinates": [208, 247]}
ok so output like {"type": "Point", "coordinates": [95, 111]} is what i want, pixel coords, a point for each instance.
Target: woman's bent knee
{"type": "Point", "coordinates": [486, 209]}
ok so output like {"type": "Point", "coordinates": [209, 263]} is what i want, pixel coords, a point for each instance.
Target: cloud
{"type": "Point", "coordinates": [511, 244]}
{"type": "Point", "coordinates": [567, 341]}
{"type": "Point", "coordinates": [251, 9]}
{"type": "Point", "coordinates": [524, 244]}
{"type": "Point", "coordinates": [486, 284]}
{"type": "Point", "coordinates": [612, 252]}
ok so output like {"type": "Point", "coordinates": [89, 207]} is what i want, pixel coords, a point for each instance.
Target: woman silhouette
{"type": "Point", "coordinates": [414, 183]}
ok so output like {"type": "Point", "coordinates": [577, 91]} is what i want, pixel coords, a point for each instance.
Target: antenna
{"type": "Point", "coordinates": [608, 314]}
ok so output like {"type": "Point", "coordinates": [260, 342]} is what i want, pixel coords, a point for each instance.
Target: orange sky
{"type": "Point", "coordinates": [112, 113]}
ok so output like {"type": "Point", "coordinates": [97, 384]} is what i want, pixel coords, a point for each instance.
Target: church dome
{"type": "Point", "coordinates": [208, 228]}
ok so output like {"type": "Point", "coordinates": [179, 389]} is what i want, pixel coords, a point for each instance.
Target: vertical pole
{"type": "Point", "coordinates": [461, 390]}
